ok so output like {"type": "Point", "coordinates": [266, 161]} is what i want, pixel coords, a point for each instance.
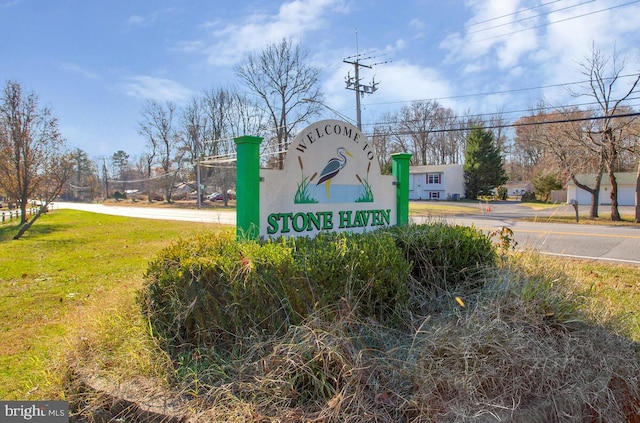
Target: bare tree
{"type": "Point", "coordinates": [447, 148]}
{"type": "Point", "coordinates": [287, 86]}
{"type": "Point", "coordinates": [604, 76]}
{"type": "Point", "coordinates": [417, 121]}
{"type": "Point", "coordinates": [158, 126]}
{"type": "Point", "coordinates": [148, 158]}
{"type": "Point", "coordinates": [382, 141]}
{"type": "Point", "coordinates": [563, 137]}
{"type": "Point", "coordinates": [194, 124]}
{"type": "Point", "coordinates": [527, 152]}
{"type": "Point", "coordinates": [210, 122]}
{"type": "Point", "coordinates": [246, 117]}
{"type": "Point", "coordinates": [34, 160]}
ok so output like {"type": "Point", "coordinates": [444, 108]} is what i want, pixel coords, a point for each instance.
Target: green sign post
{"type": "Point", "coordinates": [248, 187]}
{"type": "Point", "coordinates": [400, 169]}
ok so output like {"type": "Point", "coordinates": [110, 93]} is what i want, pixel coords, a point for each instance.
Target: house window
{"type": "Point", "coordinates": [434, 178]}
{"type": "Point", "coordinates": [434, 195]}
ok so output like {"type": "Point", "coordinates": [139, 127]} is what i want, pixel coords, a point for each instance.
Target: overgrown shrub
{"type": "Point", "coordinates": [502, 193]}
{"type": "Point", "coordinates": [215, 292]}
{"type": "Point", "coordinates": [444, 257]}
{"type": "Point", "coordinates": [366, 271]}
{"type": "Point", "coordinates": [119, 196]}
{"type": "Point", "coordinates": [528, 196]}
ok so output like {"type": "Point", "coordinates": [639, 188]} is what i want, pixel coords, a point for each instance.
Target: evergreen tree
{"type": "Point", "coordinates": [483, 170]}
{"type": "Point", "coordinates": [544, 183]}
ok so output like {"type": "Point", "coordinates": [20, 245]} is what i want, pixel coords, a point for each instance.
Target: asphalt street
{"type": "Point", "coordinates": [619, 244]}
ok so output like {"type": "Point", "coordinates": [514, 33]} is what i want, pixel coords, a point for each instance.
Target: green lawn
{"type": "Point", "coordinates": [432, 208]}
{"type": "Point", "coordinates": [68, 267]}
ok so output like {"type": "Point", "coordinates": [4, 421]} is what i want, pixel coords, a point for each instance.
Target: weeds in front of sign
{"type": "Point", "coordinates": [505, 241]}
{"type": "Point", "coordinates": [302, 194]}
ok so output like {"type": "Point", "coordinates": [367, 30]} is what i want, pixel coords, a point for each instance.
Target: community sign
{"type": "Point", "coordinates": [331, 181]}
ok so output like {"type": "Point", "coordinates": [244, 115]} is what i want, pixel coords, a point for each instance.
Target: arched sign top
{"type": "Point", "coordinates": [333, 163]}
{"type": "Point", "coordinates": [331, 181]}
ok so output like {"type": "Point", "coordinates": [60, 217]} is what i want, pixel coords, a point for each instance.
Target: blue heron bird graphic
{"type": "Point", "coordinates": [332, 168]}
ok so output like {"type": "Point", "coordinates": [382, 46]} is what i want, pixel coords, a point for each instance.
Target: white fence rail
{"type": "Point", "coordinates": [7, 216]}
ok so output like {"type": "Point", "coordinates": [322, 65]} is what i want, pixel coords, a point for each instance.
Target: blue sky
{"type": "Point", "coordinates": [96, 62]}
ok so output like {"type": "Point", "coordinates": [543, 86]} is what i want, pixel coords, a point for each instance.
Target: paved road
{"type": "Point", "coordinates": [619, 244]}
{"type": "Point", "coordinates": [189, 215]}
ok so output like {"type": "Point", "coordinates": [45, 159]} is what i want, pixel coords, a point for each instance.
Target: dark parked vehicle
{"type": "Point", "coordinates": [218, 196]}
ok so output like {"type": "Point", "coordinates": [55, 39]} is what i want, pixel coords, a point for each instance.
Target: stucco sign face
{"type": "Point", "coordinates": [331, 181]}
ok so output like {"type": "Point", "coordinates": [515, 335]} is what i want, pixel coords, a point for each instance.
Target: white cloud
{"type": "Point", "coordinates": [139, 20]}
{"type": "Point", "coordinates": [404, 81]}
{"type": "Point", "coordinates": [159, 89]}
{"type": "Point", "coordinates": [399, 82]}
{"type": "Point", "coordinates": [293, 19]}
{"type": "Point", "coordinates": [87, 74]}
{"type": "Point", "coordinates": [417, 24]}
{"type": "Point", "coordinates": [10, 3]}
{"type": "Point", "coordinates": [498, 30]}
{"type": "Point", "coordinates": [567, 43]}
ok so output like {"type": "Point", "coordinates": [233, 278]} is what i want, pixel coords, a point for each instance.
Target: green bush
{"type": "Point", "coordinates": [119, 196]}
{"type": "Point", "coordinates": [528, 197]}
{"type": "Point", "coordinates": [502, 193]}
{"type": "Point", "coordinates": [545, 182]}
{"type": "Point", "coordinates": [213, 291]}
{"type": "Point", "coordinates": [366, 271]}
{"type": "Point", "coordinates": [445, 258]}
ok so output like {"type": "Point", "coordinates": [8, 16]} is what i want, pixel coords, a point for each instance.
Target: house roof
{"type": "Point", "coordinates": [432, 168]}
{"type": "Point", "coordinates": [623, 178]}
{"type": "Point", "coordinates": [518, 184]}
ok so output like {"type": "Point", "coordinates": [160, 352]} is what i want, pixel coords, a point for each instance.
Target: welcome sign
{"type": "Point", "coordinates": [331, 181]}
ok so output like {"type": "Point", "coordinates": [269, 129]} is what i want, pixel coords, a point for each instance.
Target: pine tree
{"type": "Point", "coordinates": [483, 169]}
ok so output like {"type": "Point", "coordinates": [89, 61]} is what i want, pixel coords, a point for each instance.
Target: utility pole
{"type": "Point", "coordinates": [353, 83]}
{"type": "Point", "coordinates": [106, 177]}
{"type": "Point", "coordinates": [198, 178]}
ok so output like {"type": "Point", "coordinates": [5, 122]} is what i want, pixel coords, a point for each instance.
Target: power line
{"type": "Point", "coordinates": [555, 22]}
{"type": "Point", "coordinates": [513, 90]}
{"type": "Point", "coordinates": [133, 181]}
{"type": "Point", "coordinates": [528, 17]}
{"type": "Point", "coordinates": [521, 124]}
{"type": "Point", "coordinates": [513, 13]}
{"type": "Point", "coordinates": [452, 119]}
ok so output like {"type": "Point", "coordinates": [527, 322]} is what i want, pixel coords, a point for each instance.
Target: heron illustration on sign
{"type": "Point", "coordinates": [333, 167]}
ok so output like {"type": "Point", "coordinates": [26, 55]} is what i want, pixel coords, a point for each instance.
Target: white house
{"type": "Point", "coordinates": [436, 182]}
{"type": "Point", "coordinates": [517, 188]}
{"type": "Point", "coordinates": [626, 188]}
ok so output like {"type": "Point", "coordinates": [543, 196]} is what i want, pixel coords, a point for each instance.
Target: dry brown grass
{"type": "Point", "coordinates": [526, 347]}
